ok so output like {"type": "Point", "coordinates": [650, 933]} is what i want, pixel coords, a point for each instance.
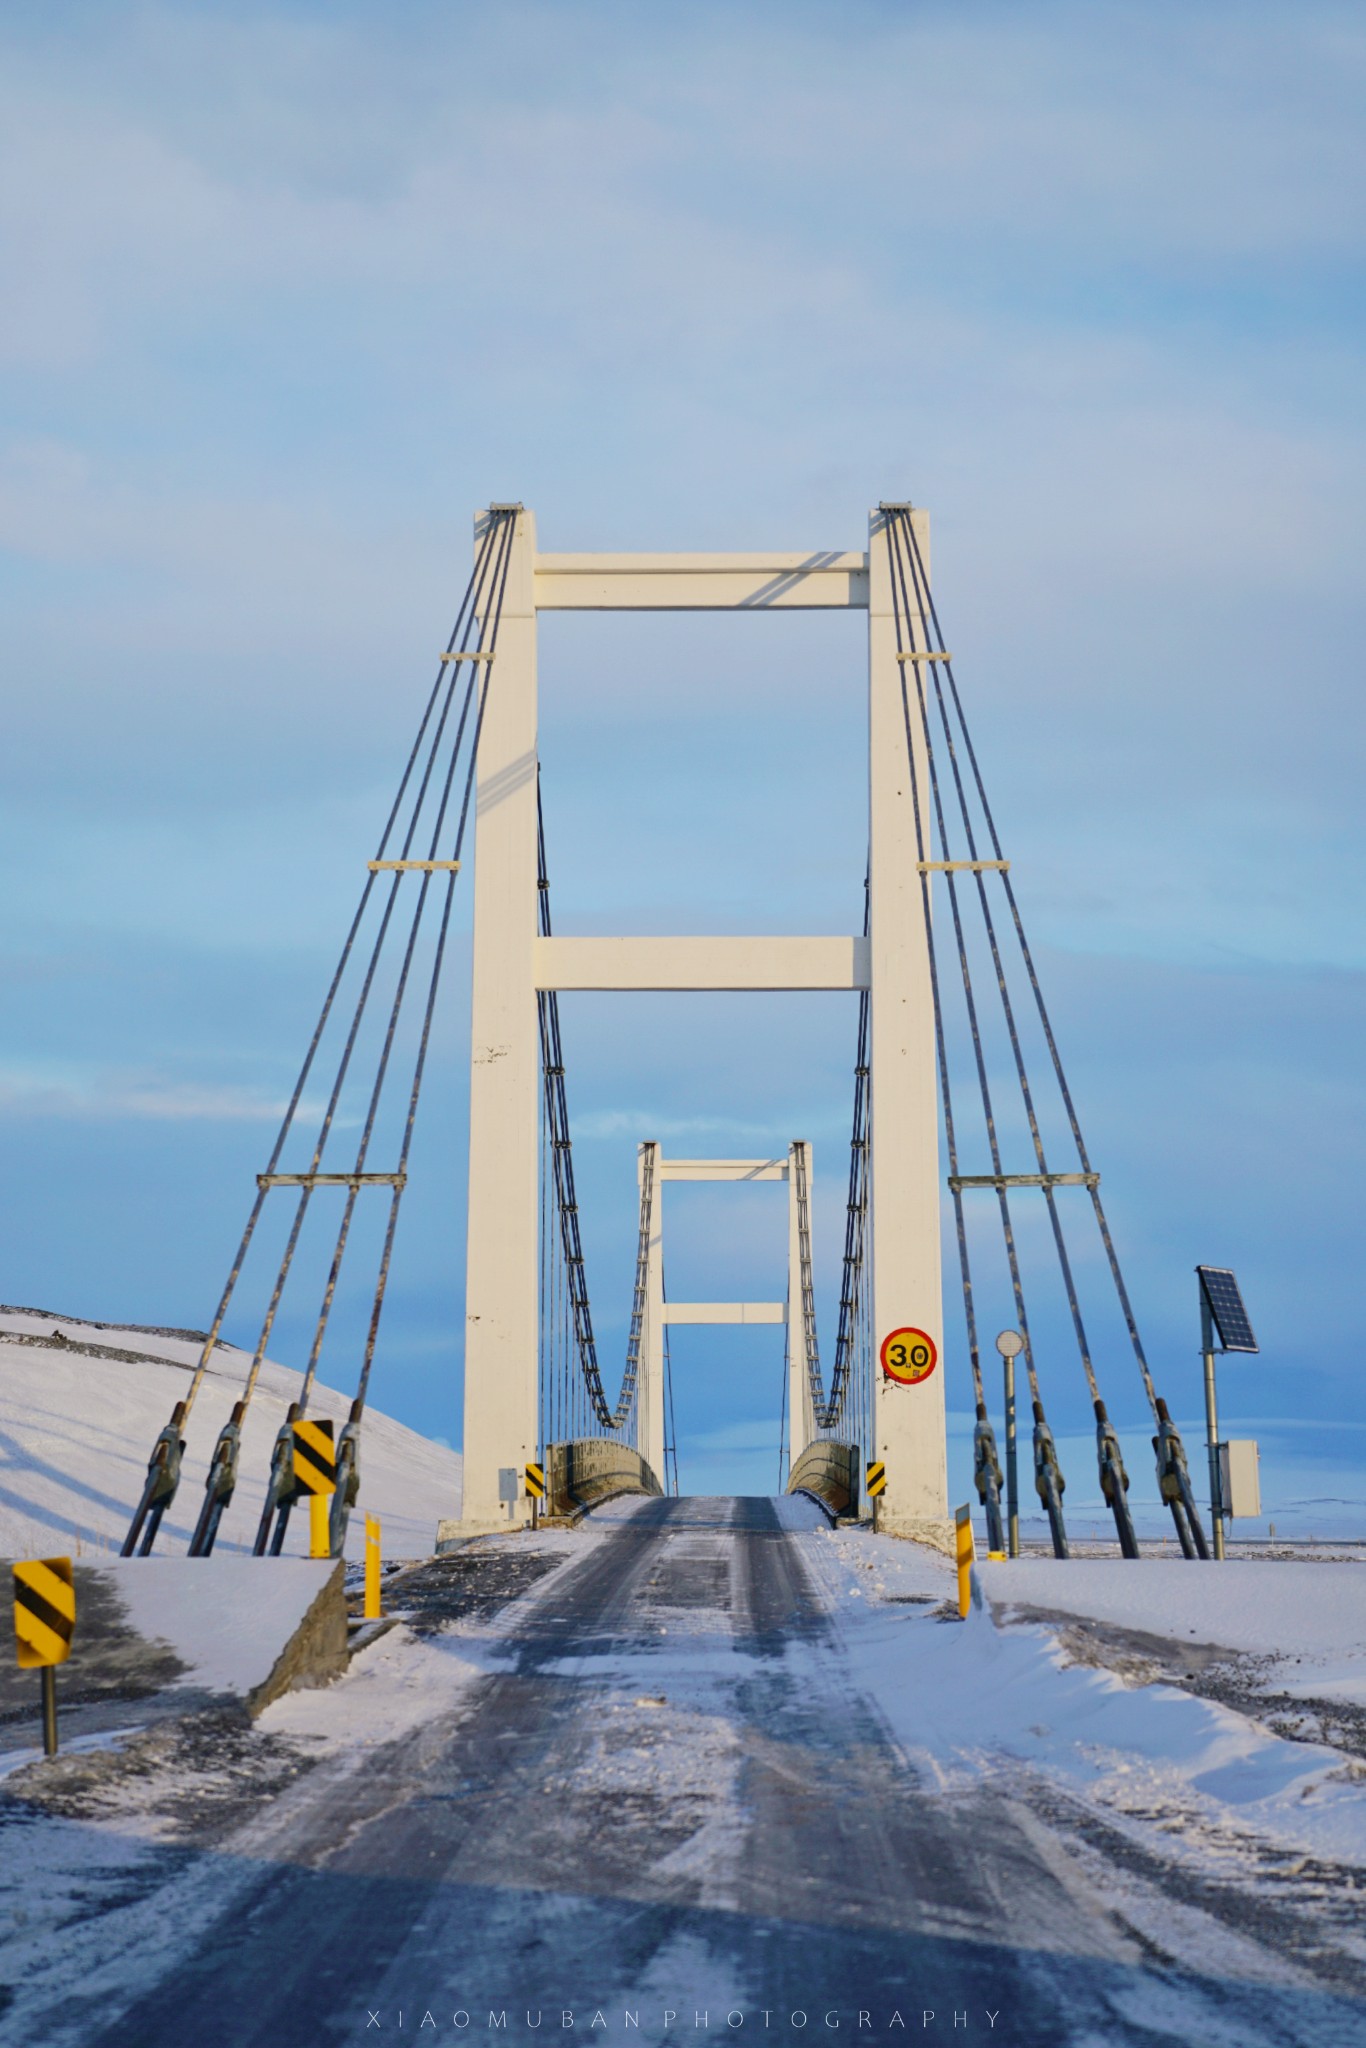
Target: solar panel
{"type": "Point", "coordinates": [1220, 1290]}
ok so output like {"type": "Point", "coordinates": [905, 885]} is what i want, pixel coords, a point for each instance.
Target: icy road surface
{"type": "Point", "coordinates": [713, 1765]}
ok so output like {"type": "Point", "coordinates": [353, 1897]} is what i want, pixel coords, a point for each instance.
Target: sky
{"type": "Point", "coordinates": [291, 290]}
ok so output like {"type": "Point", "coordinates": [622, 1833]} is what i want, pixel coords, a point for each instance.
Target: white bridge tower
{"type": "Point", "coordinates": [512, 964]}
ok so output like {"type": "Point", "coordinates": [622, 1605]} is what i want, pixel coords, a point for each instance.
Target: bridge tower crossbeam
{"type": "Point", "coordinates": [512, 964]}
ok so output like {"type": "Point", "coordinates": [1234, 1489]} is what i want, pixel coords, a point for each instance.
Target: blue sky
{"type": "Point", "coordinates": [290, 290]}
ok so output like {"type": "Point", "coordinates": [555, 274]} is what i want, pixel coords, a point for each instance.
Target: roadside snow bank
{"type": "Point", "coordinates": [964, 1699]}
{"type": "Point", "coordinates": [1309, 1619]}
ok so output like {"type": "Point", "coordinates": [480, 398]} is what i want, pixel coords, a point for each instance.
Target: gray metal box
{"type": "Point", "coordinates": [1240, 1478]}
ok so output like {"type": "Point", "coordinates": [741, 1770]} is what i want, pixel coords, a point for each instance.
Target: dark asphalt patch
{"type": "Point", "coordinates": [469, 1584]}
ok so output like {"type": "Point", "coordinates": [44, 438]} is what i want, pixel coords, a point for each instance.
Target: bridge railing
{"type": "Point", "coordinates": [593, 1469]}
{"type": "Point", "coordinates": [830, 1470]}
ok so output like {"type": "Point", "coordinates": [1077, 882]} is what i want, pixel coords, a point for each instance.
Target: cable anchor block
{"type": "Point", "coordinates": [925, 654]}
{"type": "Point", "coordinates": [1174, 1484]}
{"type": "Point", "coordinates": [348, 1480]}
{"type": "Point", "coordinates": [1114, 1480]}
{"type": "Point", "coordinates": [163, 1480]}
{"type": "Point", "coordinates": [986, 1475]}
{"type": "Point", "coordinates": [1049, 1482]}
{"type": "Point", "coordinates": [470, 654]}
{"type": "Point", "coordinates": [281, 1491]}
{"type": "Point", "coordinates": [220, 1482]}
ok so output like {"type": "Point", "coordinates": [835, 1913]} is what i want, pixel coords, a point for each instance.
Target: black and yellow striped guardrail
{"type": "Point", "coordinates": [44, 1623]}
{"type": "Point", "coordinates": [535, 1481]}
{"type": "Point", "coordinates": [874, 1478]}
{"type": "Point", "coordinates": [315, 1456]}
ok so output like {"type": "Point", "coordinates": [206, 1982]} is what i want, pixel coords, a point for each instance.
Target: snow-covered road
{"type": "Point", "coordinates": [707, 1768]}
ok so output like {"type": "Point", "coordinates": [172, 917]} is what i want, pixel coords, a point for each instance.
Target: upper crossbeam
{"type": "Point", "coordinates": [822, 581]}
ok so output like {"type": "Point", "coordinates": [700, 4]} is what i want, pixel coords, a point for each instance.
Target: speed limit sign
{"type": "Point", "coordinates": [909, 1356]}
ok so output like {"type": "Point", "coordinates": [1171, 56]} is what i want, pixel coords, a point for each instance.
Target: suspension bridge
{"type": "Point", "coordinates": [939, 959]}
{"type": "Point", "coordinates": [666, 1762]}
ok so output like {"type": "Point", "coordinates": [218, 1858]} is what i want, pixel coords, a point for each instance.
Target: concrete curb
{"type": "Point", "coordinates": [315, 1654]}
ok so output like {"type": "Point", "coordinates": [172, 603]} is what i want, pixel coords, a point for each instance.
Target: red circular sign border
{"type": "Point", "coordinates": [908, 1330]}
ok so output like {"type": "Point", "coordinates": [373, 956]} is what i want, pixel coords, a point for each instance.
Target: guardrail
{"type": "Point", "coordinates": [831, 1471]}
{"type": "Point", "coordinates": [581, 1474]}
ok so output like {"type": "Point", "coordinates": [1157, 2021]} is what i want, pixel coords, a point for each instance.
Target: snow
{"type": "Point", "coordinates": [978, 1699]}
{"type": "Point", "coordinates": [76, 1431]}
{"type": "Point", "coordinates": [226, 1618]}
{"type": "Point", "coordinates": [74, 1745]}
{"type": "Point", "coordinates": [1309, 1620]}
{"type": "Point", "coordinates": [661, 1727]}
{"type": "Point", "coordinates": [393, 1686]}
{"type": "Point", "coordinates": [990, 1700]}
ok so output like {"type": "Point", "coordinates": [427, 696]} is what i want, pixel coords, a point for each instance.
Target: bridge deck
{"type": "Point", "coordinates": [663, 1795]}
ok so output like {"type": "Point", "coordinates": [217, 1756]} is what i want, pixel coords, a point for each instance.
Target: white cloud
{"type": "Point", "coordinates": [75, 1093]}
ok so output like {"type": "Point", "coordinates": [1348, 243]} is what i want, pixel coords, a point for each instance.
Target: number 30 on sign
{"type": "Point", "coordinates": [909, 1356]}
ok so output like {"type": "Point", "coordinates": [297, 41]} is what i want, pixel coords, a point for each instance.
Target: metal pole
{"type": "Point", "coordinates": [49, 1710]}
{"type": "Point", "coordinates": [1012, 1475]}
{"type": "Point", "coordinates": [1216, 1499]}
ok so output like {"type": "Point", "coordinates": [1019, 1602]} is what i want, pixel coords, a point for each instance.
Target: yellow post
{"type": "Point", "coordinates": [372, 1601]}
{"type": "Point", "coordinates": [319, 1525]}
{"type": "Point", "coordinates": [962, 1523]}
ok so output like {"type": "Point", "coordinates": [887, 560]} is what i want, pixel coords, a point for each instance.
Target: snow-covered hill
{"type": "Point", "coordinates": [76, 1428]}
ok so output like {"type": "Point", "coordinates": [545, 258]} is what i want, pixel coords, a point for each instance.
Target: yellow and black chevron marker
{"type": "Point", "coordinates": [535, 1481]}
{"type": "Point", "coordinates": [315, 1457]}
{"type": "Point", "coordinates": [874, 1478]}
{"type": "Point", "coordinates": [44, 1611]}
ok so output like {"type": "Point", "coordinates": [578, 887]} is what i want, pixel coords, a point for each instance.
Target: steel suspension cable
{"type": "Point", "coordinates": [1172, 1467]}
{"type": "Point", "coordinates": [1172, 1471]}
{"type": "Point", "coordinates": [494, 602]}
{"type": "Point", "coordinates": [348, 1050]}
{"type": "Point", "coordinates": [459, 632]}
{"type": "Point", "coordinates": [986, 1463]}
{"type": "Point", "coordinates": [429, 1008]}
{"type": "Point", "coordinates": [163, 1475]}
{"type": "Point", "coordinates": [828, 1413]}
{"type": "Point", "coordinates": [348, 1449]}
{"type": "Point", "coordinates": [1050, 1199]}
{"type": "Point", "coordinates": [552, 1061]}
{"type": "Point", "coordinates": [1048, 1479]}
{"type": "Point", "coordinates": [1031, 970]}
{"type": "Point", "coordinates": [902, 611]}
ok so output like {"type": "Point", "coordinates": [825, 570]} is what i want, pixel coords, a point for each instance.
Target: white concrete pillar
{"type": "Point", "coordinates": [502, 1262]}
{"type": "Point", "coordinates": [904, 1110]}
{"type": "Point", "coordinates": [799, 1411]}
{"type": "Point", "coordinates": [650, 1436]}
